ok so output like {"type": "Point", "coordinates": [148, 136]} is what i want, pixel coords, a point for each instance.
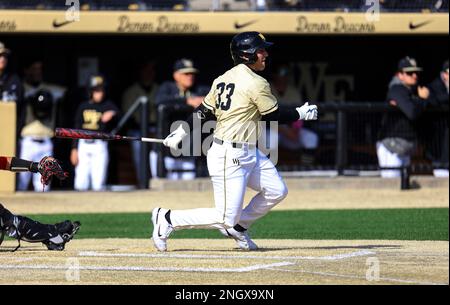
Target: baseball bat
{"type": "Point", "coordinates": [90, 134]}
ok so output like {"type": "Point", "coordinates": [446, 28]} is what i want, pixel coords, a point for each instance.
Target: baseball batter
{"type": "Point", "coordinates": [239, 99]}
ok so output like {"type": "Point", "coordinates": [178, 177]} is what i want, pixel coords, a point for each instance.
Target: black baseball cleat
{"type": "Point", "coordinates": [67, 230]}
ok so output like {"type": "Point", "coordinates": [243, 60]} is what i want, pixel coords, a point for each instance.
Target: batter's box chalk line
{"type": "Point", "coordinates": [205, 256]}
{"type": "Point", "coordinates": [285, 261]}
{"type": "Point", "coordinates": [139, 268]}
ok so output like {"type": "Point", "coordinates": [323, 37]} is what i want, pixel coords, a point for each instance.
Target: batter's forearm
{"type": "Point", "coordinates": [283, 115]}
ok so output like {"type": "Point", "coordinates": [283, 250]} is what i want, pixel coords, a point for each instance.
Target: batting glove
{"type": "Point", "coordinates": [175, 138]}
{"type": "Point", "coordinates": [307, 112]}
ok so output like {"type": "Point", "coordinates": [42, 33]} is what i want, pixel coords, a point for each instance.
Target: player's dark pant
{"type": "Point", "coordinates": [26, 229]}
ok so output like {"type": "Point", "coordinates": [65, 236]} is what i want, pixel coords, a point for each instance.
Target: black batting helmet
{"type": "Point", "coordinates": [41, 103]}
{"type": "Point", "coordinates": [244, 45]}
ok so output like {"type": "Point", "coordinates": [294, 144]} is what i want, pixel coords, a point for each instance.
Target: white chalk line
{"type": "Point", "coordinates": [359, 277]}
{"type": "Point", "coordinates": [205, 256]}
{"type": "Point", "coordinates": [283, 263]}
{"type": "Point", "coordinates": [139, 268]}
{"type": "Point", "coordinates": [20, 259]}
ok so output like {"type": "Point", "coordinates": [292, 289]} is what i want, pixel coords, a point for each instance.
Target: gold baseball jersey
{"type": "Point", "coordinates": [239, 98]}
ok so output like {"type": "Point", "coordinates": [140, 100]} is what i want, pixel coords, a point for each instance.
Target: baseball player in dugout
{"type": "Point", "coordinates": [91, 157]}
{"type": "Point", "coordinates": [41, 107]}
{"type": "Point", "coordinates": [53, 236]}
{"type": "Point", "coordinates": [239, 99]}
{"type": "Point", "coordinates": [398, 132]}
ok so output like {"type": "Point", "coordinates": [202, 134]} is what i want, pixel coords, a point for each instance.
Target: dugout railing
{"type": "Point", "coordinates": [348, 132]}
{"type": "Point", "coordinates": [141, 104]}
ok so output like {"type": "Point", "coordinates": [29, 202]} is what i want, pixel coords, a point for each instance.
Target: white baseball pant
{"type": "Point", "coordinates": [390, 159]}
{"type": "Point", "coordinates": [232, 170]}
{"type": "Point", "coordinates": [34, 149]}
{"type": "Point", "coordinates": [92, 165]}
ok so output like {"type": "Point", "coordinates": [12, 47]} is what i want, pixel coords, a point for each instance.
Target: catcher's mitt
{"type": "Point", "coordinates": [48, 167]}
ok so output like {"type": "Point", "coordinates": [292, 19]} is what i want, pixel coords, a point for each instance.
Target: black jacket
{"type": "Point", "coordinates": [169, 93]}
{"type": "Point", "coordinates": [435, 125]}
{"type": "Point", "coordinates": [402, 123]}
{"type": "Point", "coordinates": [438, 92]}
{"type": "Point", "coordinates": [11, 88]}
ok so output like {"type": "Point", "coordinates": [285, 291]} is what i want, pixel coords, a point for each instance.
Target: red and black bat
{"type": "Point", "coordinates": [90, 134]}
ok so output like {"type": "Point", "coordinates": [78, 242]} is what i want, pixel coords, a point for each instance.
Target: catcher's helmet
{"type": "Point", "coordinates": [41, 103]}
{"type": "Point", "coordinates": [244, 45]}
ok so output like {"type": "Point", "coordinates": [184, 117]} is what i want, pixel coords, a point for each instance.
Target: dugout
{"type": "Point", "coordinates": [339, 57]}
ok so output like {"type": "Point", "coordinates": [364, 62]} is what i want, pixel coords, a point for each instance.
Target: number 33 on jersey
{"type": "Point", "coordinates": [238, 99]}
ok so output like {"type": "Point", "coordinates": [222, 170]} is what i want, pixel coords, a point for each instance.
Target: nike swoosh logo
{"type": "Point", "coordinates": [413, 26]}
{"type": "Point", "coordinates": [157, 215]}
{"type": "Point", "coordinates": [238, 26]}
{"type": "Point", "coordinates": [57, 24]}
{"type": "Point", "coordinates": [159, 232]}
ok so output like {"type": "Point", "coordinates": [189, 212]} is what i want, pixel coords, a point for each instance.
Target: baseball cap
{"type": "Point", "coordinates": [96, 81]}
{"type": "Point", "coordinates": [3, 49]}
{"type": "Point", "coordinates": [408, 64]}
{"type": "Point", "coordinates": [184, 66]}
{"type": "Point", "coordinates": [445, 66]}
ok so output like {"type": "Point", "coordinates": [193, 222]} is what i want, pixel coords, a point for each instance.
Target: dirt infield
{"type": "Point", "coordinates": [193, 261]}
{"type": "Point", "coordinates": [216, 261]}
{"type": "Point", "coordinates": [145, 201]}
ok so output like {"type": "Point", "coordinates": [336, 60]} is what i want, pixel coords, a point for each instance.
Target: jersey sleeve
{"type": "Point", "coordinates": [209, 100]}
{"type": "Point", "coordinates": [402, 96]}
{"type": "Point", "coordinates": [264, 99]}
{"type": "Point", "coordinates": [3, 163]}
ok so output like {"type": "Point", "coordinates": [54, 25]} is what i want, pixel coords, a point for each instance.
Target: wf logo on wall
{"type": "Point", "coordinates": [317, 83]}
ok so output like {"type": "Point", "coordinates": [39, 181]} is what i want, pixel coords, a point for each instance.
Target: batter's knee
{"type": "Point", "coordinates": [278, 194]}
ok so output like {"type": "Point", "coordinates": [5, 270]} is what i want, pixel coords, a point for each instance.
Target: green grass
{"type": "Point", "coordinates": [395, 224]}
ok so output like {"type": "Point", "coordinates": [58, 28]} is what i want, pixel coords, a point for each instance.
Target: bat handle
{"type": "Point", "coordinates": [151, 140]}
